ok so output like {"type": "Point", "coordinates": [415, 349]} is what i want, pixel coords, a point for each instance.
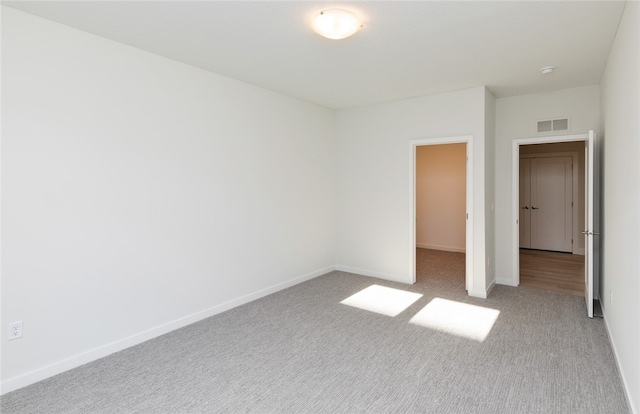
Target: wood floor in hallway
{"type": "Point", "coordinates": [552, 271]}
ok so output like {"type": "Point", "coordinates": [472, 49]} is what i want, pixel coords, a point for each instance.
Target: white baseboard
{"type": "Point", "coordinates": [443, 248]}
{"type": "Point", "coordinates": [491, 286]}
{"type": "Point", "coordinates": [506, 281]}
{"type": "Point", "coordinates": [481, 294]}
{"type": "Point", "coordinates": [75, 361]}
{"type": "Point", "coordinates": [625, 384]}
{"type": "Point", "coordinates": [371, 273]}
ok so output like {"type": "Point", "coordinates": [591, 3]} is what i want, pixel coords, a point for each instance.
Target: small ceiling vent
{"type": "Point", "coordinates": [553, 125]}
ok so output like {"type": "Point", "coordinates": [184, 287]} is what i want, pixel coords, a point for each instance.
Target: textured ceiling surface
{"type": "Point", "coordinates": [405, 49]}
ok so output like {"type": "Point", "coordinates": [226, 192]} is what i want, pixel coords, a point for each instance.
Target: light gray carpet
{"type": "Point", "coordinates": [301, 351]}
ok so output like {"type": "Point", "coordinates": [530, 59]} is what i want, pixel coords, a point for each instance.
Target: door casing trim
{"type": "Point", "coordinates": [515, 191]}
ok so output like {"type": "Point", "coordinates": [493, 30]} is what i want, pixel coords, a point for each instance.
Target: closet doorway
{"type": "Point", "coordinates": [442, 176]}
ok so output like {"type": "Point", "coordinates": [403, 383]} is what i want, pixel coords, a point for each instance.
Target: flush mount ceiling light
{"type": "Point", "coordinates": [336, 23]}
{"type": "Point", "coordinates": [547, 70]}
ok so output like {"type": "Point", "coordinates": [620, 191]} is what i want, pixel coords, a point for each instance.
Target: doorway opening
{"type": "Point", "coordinates": [591, 227]}
{"type": "Point", "coordinates": [551, 246]}
{"type": "Point", "coordinates": [442, 223]}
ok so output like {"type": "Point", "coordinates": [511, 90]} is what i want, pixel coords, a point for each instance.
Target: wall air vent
{"type": "Point", "coordinates": [553, 125]}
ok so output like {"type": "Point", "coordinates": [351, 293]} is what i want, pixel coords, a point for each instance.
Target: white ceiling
{"type": "Point", "coordinates": [405, 49]}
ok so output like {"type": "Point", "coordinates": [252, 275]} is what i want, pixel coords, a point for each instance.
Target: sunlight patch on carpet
{"type": "Point", "coordinates": [384, 300]}
{"type": "Point", "coordinates": [457, 318]}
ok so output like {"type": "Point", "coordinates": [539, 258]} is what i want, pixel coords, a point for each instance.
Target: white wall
{"type": "Point", "coordinates": [441, 197]}
{"type": "Point", "coordinates": [375, 166]}
{"type": "Point", "coordinates": [621, 195]}
{"type": "Point", "coordinates": [141, 194]}
{"type": "Point", "coordinates": [516, 117]}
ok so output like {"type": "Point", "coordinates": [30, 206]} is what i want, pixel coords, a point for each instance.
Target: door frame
{"type": "Point", "coordinates": [469, 201]}
{"type": "Point", "coordinates": [515, 189]}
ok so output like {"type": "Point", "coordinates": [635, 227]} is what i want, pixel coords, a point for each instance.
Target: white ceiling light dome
{"type": "Point", "coordinates": [336, 23]}
{"type": "Point", "coordinates": [547, 70]}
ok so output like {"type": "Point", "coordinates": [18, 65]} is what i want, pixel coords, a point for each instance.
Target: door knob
{"type": "Point", "coordinates": [535, 208]}
{"type": "Point", "coordinates": [525, 208]}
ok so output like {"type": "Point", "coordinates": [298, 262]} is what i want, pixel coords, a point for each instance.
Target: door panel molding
{"type": "Point", "coordinates": [551, 212]}
{"type": "Point", "coordinates": [525, 203]}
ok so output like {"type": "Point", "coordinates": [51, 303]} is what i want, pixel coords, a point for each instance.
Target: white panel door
{"type": "Point", "coordinates": [551, 203]}
{"type": "Point", "coordinates": [525, 203]}
{"type": "Point", "coordinates": [592, 222]}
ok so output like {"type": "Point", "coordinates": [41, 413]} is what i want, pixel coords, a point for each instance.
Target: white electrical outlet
{"type": "Point", "coordinates": [15, 330]}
